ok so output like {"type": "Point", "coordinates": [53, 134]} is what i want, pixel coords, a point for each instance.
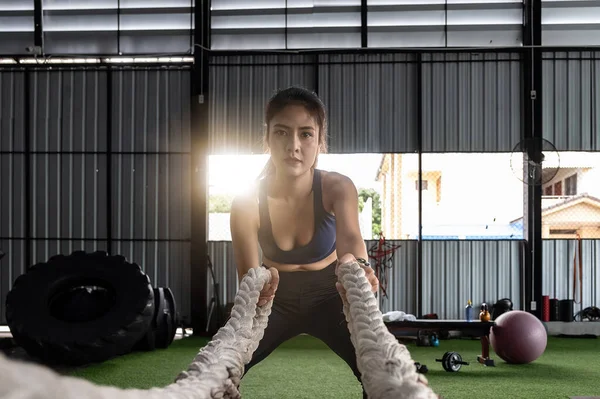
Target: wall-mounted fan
{"type": "Point", "coordinates": [535, 161]}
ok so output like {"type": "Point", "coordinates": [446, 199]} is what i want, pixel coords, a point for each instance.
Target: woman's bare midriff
{"type": "Point", "coordinates": [283, 267]}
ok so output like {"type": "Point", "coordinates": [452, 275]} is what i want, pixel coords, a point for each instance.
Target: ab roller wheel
{"type": "Point", "coordinates": [452, 362]}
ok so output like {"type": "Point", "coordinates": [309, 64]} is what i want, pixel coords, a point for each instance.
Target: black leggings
{"type": "Point", "coordinates": [308, 302]}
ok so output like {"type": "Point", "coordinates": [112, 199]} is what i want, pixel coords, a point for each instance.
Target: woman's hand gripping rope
{"type": "Point", "coordinates": [386, 367]}
{"type": "Point", "coordinates": [267, 294]}
{"type": "Point", "coordinates": [369, 274]}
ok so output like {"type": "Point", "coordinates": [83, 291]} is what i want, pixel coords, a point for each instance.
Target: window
{"type": "Point", "coordinates": [284, 24]}
{"type": "Point", "coordinates": [287, 24]}
{"type": "Point", "coordinates": [570, 23]}
{"type": "Point", "coordinates": [16, 26]}
{"type": "Point", "coordinates": [563, 231]}
{"type": "Point", "coordinates": [117, 26]}
{"type": "Point", "coordinates": [571, 185]}
{"type": "Point", "coordinates": [444, 23]}
{"type": "Point", "coordinates": [558, 188]}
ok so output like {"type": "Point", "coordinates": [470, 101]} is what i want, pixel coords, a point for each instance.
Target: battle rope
{"type": "Point", "coordinates": [214, 373]}
{"type": "Point", "coordinates": [386, 366]}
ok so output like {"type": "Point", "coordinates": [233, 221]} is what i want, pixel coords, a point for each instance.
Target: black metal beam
{"type": "Point", "coordinates": [109, 133]}
{"type": "Point", "coordinates": [38, 25]}
{"type": "Point", "coordinates": [419, 288]}
{"type": "Point", "coordinates": [376, 50]}
{"type": "Point", "coordinates": [316, 74]}
{"type": "Point", "coordinates": [98, 239]}
{"type": "Point", "coordinates": [199, 162]}
{"type": "Point", "coordinates": [96, 152]}
{"type": "Point", "coordinates": [364, 24]}
{"type": "Point", "coordinates": [362, 62]}
{"type": "Point", "coordinates": [28, 115]}
{"type": "Point", "coordinates": [359, 51]}
{"type": "Point", "coordinates": [532, 129]}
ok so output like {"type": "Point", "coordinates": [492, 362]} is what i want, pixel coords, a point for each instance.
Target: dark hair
{"type": "Point", "coordinates": [295, 95]}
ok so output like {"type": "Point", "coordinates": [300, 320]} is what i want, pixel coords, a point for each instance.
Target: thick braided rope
{"type": "Point", "coordinates": [386, 367]}
{"type": "Point", "coordinates": [214, 373]}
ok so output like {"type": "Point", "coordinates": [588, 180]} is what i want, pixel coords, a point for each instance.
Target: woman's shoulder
{"type": "Point", "coordinates": [336, 183]}
{"type": "Point", "coordinates": [246, 202]}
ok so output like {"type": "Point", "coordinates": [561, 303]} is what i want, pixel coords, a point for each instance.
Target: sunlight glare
{"type": "Point", "coordinates": [234, 174]}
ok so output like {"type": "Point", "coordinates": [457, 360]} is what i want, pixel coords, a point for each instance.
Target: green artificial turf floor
{"type": "Point", "coordinates": [305, 368]}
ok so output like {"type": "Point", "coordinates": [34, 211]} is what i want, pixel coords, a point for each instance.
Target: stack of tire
{"type": "Point", "coordinates": [87, 308]}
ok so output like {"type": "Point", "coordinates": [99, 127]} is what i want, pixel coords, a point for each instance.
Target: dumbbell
{"type": "Point", "coordinates": [452, 361]}
{"type": "Point", "coordinates": [421, 368]}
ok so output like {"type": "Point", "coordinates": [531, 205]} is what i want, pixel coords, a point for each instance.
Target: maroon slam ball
{"type": "Point", "coordinates": [518, 337]}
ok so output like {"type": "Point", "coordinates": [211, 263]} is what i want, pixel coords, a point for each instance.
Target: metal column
{"type": "Point", "coordinates": [199, 129]}
{"type": "Point", "coordinates": [532, 98]}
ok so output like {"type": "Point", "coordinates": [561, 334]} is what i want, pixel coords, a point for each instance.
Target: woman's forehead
{"type": "Point", "coordinates": [294, 115]}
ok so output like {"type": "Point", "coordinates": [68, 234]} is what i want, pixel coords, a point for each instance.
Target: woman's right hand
{"type": "Point", "coordinates": [268, 292]}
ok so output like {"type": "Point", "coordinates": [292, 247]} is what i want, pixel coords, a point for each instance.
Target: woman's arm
{"type": "Point", "coordinates": [244, 234]}
{"type": "Point", "coordinates": [349, 238]}
{"type": "Point", "coordinates": [244, 224]}
{"type": "Point", "coordinates": [345, 208]}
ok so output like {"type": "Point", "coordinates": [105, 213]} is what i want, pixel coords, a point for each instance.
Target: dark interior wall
{"type": "Point", "coordinates": [96, 159]}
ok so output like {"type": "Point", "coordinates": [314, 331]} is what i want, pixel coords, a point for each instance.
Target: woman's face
{"type": "Point", "coordinates": [293, 140]}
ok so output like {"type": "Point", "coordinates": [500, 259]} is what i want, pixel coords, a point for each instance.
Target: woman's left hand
{"type": "Point", "coordinates": [369, 273]}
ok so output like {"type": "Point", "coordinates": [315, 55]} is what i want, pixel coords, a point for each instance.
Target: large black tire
{"type": "Point", "coordinates": [163, 328]}
{"type": "Point", "coordinates": [58, 322]}
{"type": "Point", "coordinates": [170, 320]}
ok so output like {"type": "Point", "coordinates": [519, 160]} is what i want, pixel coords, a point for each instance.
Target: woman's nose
{"type": "Point", "coordinates": [293, 144]}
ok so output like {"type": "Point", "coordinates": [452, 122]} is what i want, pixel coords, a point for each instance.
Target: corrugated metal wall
{"type": "Point", "coordinates": [362, 93]}
{"type": "Point", "coordinates": [571, 100]}
{"type": "Point", "coordinates": [68, 169]}
{"type": "Point", "coordinates": [558, 271]}
{"type": "Point", "coordinates": [240, 88]}
{"type": "Point", "coordinates": [222, 258]}
{"type": "Point", "coordinates": [371, 102]}
{"type": "Point", "coordinates": [76, 114]}
{"type": "Point", "coordinates": [471, 102]}
{"type": "Point", "coordinates": [453, 272]}
{"type": "Point", "coordinates": [151, 179]}
{"type": "Point", "coordinates": [12, 180]}
{"type": "Point", "coordinates": [456, 271]}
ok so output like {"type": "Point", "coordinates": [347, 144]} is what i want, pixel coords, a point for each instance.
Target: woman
{"type": "Point", "coordinates": [303, 219]}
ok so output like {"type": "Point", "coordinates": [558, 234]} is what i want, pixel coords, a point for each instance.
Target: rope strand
{"type": "Point", "coordinates": [386, 367]}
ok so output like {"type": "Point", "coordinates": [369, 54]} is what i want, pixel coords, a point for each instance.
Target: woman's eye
{"type": "Point", "coordinates": [307, 134]}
